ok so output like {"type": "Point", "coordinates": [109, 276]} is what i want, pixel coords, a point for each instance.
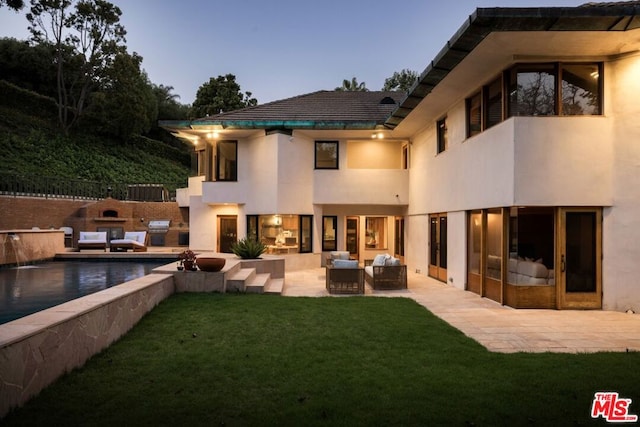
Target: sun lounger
{"type": "Point", "coordinates": [92, 240]}
{"type": "Point", "coordinates": [134, 240]}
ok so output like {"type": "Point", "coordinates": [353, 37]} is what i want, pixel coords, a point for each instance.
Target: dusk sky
{"type": "Point", "coordinates": [283, 48]}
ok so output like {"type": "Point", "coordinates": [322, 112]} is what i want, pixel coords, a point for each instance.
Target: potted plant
{"type": "Point", "coordinates": [187, 260]}
{"type": "Point", "coordinates": [248, 248]}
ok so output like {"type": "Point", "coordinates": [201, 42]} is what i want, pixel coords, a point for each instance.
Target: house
{"type": "Point", "coordinates": [510, 169]}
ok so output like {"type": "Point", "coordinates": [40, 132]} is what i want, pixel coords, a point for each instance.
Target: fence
{"type": "Point", "coordinates": [61, 188]}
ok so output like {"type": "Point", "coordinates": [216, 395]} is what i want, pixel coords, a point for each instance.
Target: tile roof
{"type": "Point", "coordinates": [325, 109]}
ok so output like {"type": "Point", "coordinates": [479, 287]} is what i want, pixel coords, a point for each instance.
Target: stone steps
{"type": "Point", "coordinates": [247, 280]}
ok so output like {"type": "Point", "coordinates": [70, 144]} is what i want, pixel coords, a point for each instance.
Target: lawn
{"type": "Point", "coordinates": [210, 359]}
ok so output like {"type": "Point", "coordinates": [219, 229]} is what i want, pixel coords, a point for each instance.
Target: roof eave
{"type": "Point", "coordinates": [484, 21]}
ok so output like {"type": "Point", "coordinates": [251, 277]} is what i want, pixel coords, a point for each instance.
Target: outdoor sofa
{"type": "Point", "coordinates": [385, 272]}
{"type": "Point", "coordinates": [92, 240]}
{"type": "Point", "coordinates": [345, 277]}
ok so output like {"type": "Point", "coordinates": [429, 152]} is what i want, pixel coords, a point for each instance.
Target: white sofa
{"type": "Point", "coordinates": [521, 271]}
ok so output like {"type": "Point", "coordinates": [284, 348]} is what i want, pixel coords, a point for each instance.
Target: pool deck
{"type": "Point", "coordinates": [498, 328]}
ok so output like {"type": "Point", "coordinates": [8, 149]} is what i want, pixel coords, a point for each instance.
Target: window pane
{"type": "Point", "coordinates": [442, 135]}
{"type": "Point", "coordinates": [475, 242]}
{"type": "Point", "coordinates": [305, 236]}
{"type": "Point", "coordinates": [580, 89]}
{"type": "Point", "coordinates": [531, 246]}
{"type": "Point", "coordinates": [226, 152]}
{"type": "Point", "coordinates": [494, 244]}
{"type": "Point", "coordinates": [326, 155]}
{"type": "Point", "coordinates": [532, 91]}
{"type": "Point", "coordinates": [494, 103]}
{"type": "Point", "coordinates": [581, 252]}
{"type": "Point", "coordinates": [376, 233]}
{"type": "Point", "coordinates": [252, 227]}
{"type": "Point", "coordinates": [474, 115]}
{"type": "Point", "coordinates": [329, 227]}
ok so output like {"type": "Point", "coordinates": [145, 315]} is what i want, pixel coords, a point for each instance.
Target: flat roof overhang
{"type": "Point", "coordinates": [494, 38]}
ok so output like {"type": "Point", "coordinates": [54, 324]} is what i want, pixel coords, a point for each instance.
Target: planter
{"type": "Point", "coordinates": [210, 263]}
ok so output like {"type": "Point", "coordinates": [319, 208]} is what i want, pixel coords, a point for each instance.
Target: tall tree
{"type": "Point", "coordinates": [352, 86]}
{"type": "Point", "coordinates": [401, 81]}
{"type": "Point", "coordinates": [220, 94]}
{"type": "Point", "coordinates": [86, 35]}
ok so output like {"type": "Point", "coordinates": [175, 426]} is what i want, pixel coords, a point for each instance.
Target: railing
{"type": "Point", "coordinates": [62, 188]}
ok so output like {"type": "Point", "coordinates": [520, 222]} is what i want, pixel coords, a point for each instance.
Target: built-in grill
{"type": "Point", "coordinates": [158, 229]}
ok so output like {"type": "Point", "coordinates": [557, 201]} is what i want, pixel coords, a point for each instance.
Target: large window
{"type": "Point", "coordinates": [376, 229]}
{"type": "Point", "coordinates": [226, 161]}
{"type": "Point", "coordinates": [329, 232]}
{"type": "Point", "coordinates": [443, 142]}
{"type": "Point", "coordinates": [532, 90]}
{"type": "Point", "coordinates": [563, 89]}
{"type": "Point", "coordinates": [326, 155]}
{"type": "Point", "coordinates": [567, 89]}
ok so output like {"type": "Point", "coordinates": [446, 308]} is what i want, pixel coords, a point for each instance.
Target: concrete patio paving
{"type": "Point", "coordinates": [496, 327]}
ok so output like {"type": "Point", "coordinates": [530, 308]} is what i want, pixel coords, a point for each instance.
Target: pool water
{"type": "Point", "coordinates": [28, 289]}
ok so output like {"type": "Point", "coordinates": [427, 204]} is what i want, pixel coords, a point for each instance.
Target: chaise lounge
{"type": "Point", "coordinates": [134, 240]}
{"type": "Point", "coordinates": [92, 240]}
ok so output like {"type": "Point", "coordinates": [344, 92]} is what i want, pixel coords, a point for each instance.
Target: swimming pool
{"type": "Point", "coordinates": [28, 289]}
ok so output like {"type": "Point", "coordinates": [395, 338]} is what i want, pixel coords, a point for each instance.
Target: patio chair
{"type": "Point", "coordinates": [92, 240]}
{"type": "Point", "coordinates": [345, 277]}
{"type": "Point", "coordinates": [134, 240]}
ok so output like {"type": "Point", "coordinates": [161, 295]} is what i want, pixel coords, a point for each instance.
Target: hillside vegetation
{"type": "Point", "coordinates": [32, 146]}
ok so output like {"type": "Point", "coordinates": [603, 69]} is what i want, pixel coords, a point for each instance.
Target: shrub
{"type": "Point", "coordinates": [248, 248]}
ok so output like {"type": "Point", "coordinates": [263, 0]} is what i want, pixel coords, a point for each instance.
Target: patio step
{"type": "Point", "coordinates": [237, 282]}
{"type": "Point", "coordinates": [274, 286]}
{"type": "Point", "coordinates": [258, 284]}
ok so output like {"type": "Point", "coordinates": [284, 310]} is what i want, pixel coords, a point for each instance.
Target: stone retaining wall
{"type": "Point", "coordinates": [37, 349]}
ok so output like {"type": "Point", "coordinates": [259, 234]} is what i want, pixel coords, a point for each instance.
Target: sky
{"type": "Point", "coordinates": [278, 49]}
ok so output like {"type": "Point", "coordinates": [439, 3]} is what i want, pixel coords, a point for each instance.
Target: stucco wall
{"type": "Point", "coordinates": [621, 223]}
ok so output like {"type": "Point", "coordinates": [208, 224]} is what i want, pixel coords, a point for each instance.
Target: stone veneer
{"type": "Point", "coordinates": [36, 350]}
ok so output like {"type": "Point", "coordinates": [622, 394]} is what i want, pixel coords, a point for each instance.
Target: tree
{"type": "Point", "coordinates": [86, 41]}
{"type": "Point", "coordinates": [126, 104]}
{"type": "Point", "coordinates": [401, 81]}
{"type": "Point", "coordinates": [13, 4]}
{"type": "Point", "coordinates": [219, 95]}
{"type": "Point", "coordinates": [168, 106]}
{"type": "Point", "coordinates": [352, 86]}
{"type": "Point", "coordinates": [30, 67]}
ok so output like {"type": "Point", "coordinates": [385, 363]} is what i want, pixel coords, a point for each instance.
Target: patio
{"type": "Point", "coordinates": [500, 328]}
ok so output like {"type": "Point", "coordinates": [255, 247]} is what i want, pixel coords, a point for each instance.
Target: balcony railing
{"type": "Point", "coordinates": [62, 188]}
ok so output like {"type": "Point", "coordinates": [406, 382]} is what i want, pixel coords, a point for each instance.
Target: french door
{"type": "Point", "coordinates": [438, 246]}
{"type": "Point", "coordinates": [579, 258]}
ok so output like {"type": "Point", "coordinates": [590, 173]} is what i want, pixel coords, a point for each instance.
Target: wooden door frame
{"type": "Point", "coordinates": [577, 300]}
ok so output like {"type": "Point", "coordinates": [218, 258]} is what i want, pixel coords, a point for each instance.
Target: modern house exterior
{"type": "Point", "coordinates": [510, 169]}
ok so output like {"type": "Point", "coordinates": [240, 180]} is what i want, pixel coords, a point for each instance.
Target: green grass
{"type": "Point", "coordinates": [209, 359]}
